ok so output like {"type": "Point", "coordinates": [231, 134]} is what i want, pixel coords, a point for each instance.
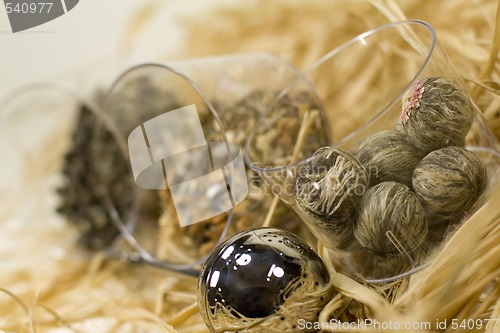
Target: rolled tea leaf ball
{"type": "Point", "coordinates": [262, 280]}
{"type": "Point", "coordinates": [388, 156]}
{"type": "Point", "coordinates": [331, 184]}
{"type": "Point", "coordinates": [390, 220]}
{"type": "Point", "coordinates": [436, 113]}
{"type": "Point", "coordinates": [327, 190]}
{"type": "Point", "coordinates": [449, 181]}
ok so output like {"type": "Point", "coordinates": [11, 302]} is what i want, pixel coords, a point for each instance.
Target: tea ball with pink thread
{"type": "Point", "coordinates": [436, 113]}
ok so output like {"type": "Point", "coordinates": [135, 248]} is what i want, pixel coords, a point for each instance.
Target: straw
{"type": "Point", "coordinates": [48, 284]}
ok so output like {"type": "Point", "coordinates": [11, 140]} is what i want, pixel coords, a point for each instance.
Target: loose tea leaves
{"type": "Point", "coordinates": [93, 165]}
{"type": "Point", "coordinates": [97, 171]}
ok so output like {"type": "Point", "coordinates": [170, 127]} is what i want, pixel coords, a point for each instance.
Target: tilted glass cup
{"type": "Point", "coordinates": [185, 106]}
{"type": "Point", "coordinates": [358, 89]}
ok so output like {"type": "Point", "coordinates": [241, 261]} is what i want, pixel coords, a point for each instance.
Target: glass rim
{"type": "Point", "coordinates": [303, 76]}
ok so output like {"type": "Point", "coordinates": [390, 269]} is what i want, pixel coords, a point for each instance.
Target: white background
{"type": "Point", "coordinates": [89, 36]}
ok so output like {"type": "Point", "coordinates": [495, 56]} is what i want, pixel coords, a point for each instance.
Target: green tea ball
{"type": "Point", "coordinates": [436, 113]}
{"type": "Point", "coordinates": [330, 185]}
{"type": "Point", "coordinates": [389, 217]}
{"type": "Point", "coordinates": [327, 190]}
{"type": "Point", "coordinates": [389, 156]}
{"type": "Point", "coordinates": [449, 181]}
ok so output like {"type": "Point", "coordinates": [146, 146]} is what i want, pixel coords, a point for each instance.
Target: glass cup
{"type": "Point", "coordinates": [369, 85]}
{"type": "Point", "coordinates": [154, 158]}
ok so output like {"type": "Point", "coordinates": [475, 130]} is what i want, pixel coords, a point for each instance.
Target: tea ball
{"type": "Point", "coordinates": [389, 156]}
{"type": "Point", "coordinates": [330, 185]}
{"type": "Point", "coordinates": [449, 181]}
{"type": "Point", "coordinates": [327, 191]}
{"type": "Point", "coordinates": [262, 278]}
{"type": "Point", "coordinates": [436, 113]}
{"type": "Point", "coordinates": [390, 216]}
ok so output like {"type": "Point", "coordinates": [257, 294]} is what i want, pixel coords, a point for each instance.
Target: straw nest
{"type": "Point", "coordinates": [48, 284]}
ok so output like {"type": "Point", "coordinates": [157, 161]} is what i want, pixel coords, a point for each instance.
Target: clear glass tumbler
{"type": "Point", "coordinates": [369, 86]}
{"type": "Point", "coordinates": [152, 153]}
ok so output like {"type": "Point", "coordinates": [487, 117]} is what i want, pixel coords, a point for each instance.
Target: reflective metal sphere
{"type": "Point", "coordinates": [253, 273]}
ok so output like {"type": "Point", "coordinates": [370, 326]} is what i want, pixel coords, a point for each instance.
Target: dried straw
{"type": "Point", "coordinates": [49, 285]}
